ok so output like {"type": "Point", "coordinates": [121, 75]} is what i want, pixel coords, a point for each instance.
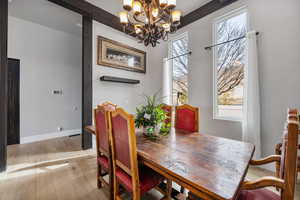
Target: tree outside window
{"type": "Point", "coordinates": [230, 59]}
{"type": "Point", "coordinates": [180, 70]}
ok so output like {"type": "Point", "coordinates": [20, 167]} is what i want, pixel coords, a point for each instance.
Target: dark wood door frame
{"type": "Point", "coordinates": [87, 83]}
{"type": "Point", "coordinates": [13, 123]}
{"type": "Point", "coordinates": [3, 83]}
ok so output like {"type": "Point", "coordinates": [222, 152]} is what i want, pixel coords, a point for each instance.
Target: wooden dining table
{"type": "Point", "coordinates": [208, 166]}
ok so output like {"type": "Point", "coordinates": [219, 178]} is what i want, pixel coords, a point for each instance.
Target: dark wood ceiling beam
{"type": "Point", "coordinates": [204, 10]}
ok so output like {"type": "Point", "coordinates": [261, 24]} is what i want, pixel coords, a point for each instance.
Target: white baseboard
{"type": "Point", "coordinates": [47, 136]}
{"type": "Point", "coordinates": [94, 141]}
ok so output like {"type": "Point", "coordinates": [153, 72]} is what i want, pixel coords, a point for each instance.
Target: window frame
{"type": "Point", "coordinates": [170, 55]}
{"type": "Point", "coordinates": [216, 21]}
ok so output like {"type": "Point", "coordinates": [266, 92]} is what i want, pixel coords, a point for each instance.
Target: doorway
{"type": "Point", "coordinates": [87, 47]}
{"type": "Point", "coordinates": [13, 115]}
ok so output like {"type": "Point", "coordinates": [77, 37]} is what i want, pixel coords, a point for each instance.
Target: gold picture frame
{"type": "Point", "coordinates": [117, 55]}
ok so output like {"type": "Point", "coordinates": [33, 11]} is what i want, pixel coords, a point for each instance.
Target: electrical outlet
{"type": "Point", "coordinates": [59, 92]}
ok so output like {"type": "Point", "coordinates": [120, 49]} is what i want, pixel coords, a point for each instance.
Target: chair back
{"type": "Point", "coordinates": [102, 126]}
{"type": "Point", "coordinates": [289, 157]}
{"type": "Point", "coordinates": [123, 142]}
{"type": "Point", "coordinates": [187, 118]}
{"type": "Point", "coordinates": [169, 111]}
{"type": "Point", "coordinates": [109, 106]}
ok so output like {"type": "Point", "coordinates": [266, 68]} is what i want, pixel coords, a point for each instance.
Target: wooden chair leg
{"type": "Point", "coordinates": [136, 195]}
{"type": "Point", "coordinates": [116, 189]}
{"type": "Point", "coordinates": [169, 189]}
{"type": "Point", "coordinates": [182, 190]}
{"type": "Point", "coordinates": [99, 172]}
{"type": "Point", "coordinates": [111, 184]}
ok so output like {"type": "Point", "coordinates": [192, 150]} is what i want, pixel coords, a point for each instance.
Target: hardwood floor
{"type": "Point", "coordinates": [59, 170]}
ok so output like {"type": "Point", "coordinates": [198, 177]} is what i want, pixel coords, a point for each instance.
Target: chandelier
{"type": "Point", "coordinates": [151, 20]}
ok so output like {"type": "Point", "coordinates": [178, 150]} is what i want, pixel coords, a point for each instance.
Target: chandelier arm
{"type": "Point", "coordinates": [158, 19]}
{"type": "Point", "coordinates": [128, 31]}
{"type": "Point", "coordinates": [166, 13]}
{"type": "Point", "coordinates": [138, 20]}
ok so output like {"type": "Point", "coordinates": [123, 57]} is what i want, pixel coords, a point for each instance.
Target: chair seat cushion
{"type": "Point", "coordinates": [103, 161]}
{"type": "Point", "coordinates": [260, 194]}
{"type": "Point", "coordinates": [148, 179]}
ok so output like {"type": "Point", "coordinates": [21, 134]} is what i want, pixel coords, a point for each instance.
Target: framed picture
{"type": "Point", "coordinates": [117, 55]}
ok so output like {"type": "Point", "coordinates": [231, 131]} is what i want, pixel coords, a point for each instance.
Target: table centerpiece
{"type": "Point", "coordinates": [152, 118]}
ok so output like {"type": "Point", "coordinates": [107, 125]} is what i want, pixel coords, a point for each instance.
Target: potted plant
{"type": "Point", "coordinates": [151, 117]}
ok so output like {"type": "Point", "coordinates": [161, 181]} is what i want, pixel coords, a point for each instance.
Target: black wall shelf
{"type": "Point", "coordinates": [119, 80]}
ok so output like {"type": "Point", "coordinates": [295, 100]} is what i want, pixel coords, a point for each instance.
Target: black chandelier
{"type": "Point", "coordinates": [152, 19]}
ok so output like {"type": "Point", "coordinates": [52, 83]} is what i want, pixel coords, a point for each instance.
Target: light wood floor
{"type": "Point", "coordinates": [59, 170]}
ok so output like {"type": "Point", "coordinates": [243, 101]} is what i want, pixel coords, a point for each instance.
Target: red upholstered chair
{"type": "Point", "coordinates": [104, 162]}
{"type": "Point", "coordinates": [255, 190]}
{"type": "Point", "coordinates": [136, 180]}
{"type": "Point", "coordinates": [252, 190]}
{"type": "Point", "coordinates": [187, 118]}
{"type": "Point", "coordinates": [169, 110]}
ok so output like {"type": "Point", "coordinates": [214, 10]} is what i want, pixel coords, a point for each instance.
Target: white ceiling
{"type": "Point", "coordinates": [47, 14]}
{"type": "Point", "coordinates": [51, 15]}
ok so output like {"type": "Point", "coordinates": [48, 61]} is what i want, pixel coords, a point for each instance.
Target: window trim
{"type": "Point", "coordinates": [170, 50]}
{"type": "Point", "coordinates": [217, 20]}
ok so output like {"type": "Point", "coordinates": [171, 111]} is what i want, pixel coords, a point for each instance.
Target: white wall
{"type": "Point", "coordinates": [50, 60]}
{"type": "Point", "coordinates": [279, 59]}
{"type": "Point", "coordinates": [125, 95]}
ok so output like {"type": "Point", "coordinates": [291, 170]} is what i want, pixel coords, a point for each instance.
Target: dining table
{"type": "Point", "coordinates": [212, 168]}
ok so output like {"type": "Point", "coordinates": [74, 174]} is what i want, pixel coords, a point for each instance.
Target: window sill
{"type": "Point", "coordinates": [228, 119]}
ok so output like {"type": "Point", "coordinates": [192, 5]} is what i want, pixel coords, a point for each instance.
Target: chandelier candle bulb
{"type": "Point", "coordinates": [155, 12]}
{"type": "Point", "coordinates": [167, 27]}
{"type": "Point", "coordinates": [138, 28]}
{"type": "Point", "coordinates": [137, 7]}
{"type": "Point", "coordinates": [163, 3]}
{"type": "Point", "coordinates": [127, 4]}
{"type": "Point", "coordinates": [176, 14]}
{"type": "Point", "coordinates": [171, 4]}
{"type": "Point", "coordinates": [123, 17]}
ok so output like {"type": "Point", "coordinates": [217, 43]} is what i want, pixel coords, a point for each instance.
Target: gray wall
{"type": "Point", "coordinates": [50, 60]}
{"type": "Point", "coordinates": [125, 95]}
{"type": "Point", "coordinates": [279, 67]}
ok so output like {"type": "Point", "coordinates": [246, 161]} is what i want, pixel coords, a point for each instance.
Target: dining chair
{"type": "Point", "coordinates": [136, 179]}
{"type": "Point", "coordinates": [104, 162]}
{"type": "Point", "coordinates": [255, 190]}
{"type": "Point", "coordinates": [278, 149]}
{"type": "Point", "coordinates": [187, 118]}
{"type": "Point", "coordinates": [169, 111]}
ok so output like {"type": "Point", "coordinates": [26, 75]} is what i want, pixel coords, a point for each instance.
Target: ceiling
{"type": "Point", "coordinates": [47, 14]}
{"type": "Point", "coordinates": [115, 6]}
{"type": "Point", "coordinates": [51, 15]}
